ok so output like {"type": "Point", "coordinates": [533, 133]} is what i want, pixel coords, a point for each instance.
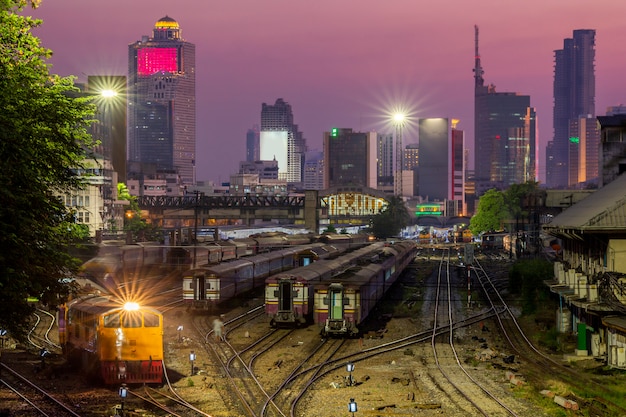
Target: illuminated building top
{"type": "Point", "coordinates": [166, 28]}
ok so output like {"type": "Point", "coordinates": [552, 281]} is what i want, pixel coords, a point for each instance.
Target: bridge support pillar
{"type": "Point", "coordinates": [311, 210]}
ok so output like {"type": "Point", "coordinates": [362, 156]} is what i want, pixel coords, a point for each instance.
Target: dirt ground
{"type": "Point", "coordinates": [401, 383]}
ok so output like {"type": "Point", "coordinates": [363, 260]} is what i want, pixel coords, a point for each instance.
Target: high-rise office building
{"type": "Point", "coordinates": [584, 151]}
{"type": "Point", "coordinates": [253, 150]}
{"type": "Point", "coordinates": [349, 158]}
{"type": "Point", "coordinates": [612, 146]}
{"type": "Point", "coordinates": [314, 170]}
{"type": "Point", "coordinates": [504, 129]}
{"type": "Point", "coordinates": [574, 98]}
{"type": "Point", "coordinates": [410, 169]}
{"type": "Point", "coordinates": [441, 166]}
{"type": "Point", "coordinates": [281, 140]}
{"type": "Point", "coordinates": [384, 159]}
{"type": "Point", "coordinates": [162, 101]}
{"type": "Point", "coordinates": [110, 130]}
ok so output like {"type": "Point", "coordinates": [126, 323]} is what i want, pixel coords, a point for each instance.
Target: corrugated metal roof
{"type": "Point", "coordinates": [615, 322]}
{"type": "Point", "coordinates": [604, 209]}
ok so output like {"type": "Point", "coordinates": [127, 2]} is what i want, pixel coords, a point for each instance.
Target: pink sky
{"type": "Point", "coordinates": [342, 63]}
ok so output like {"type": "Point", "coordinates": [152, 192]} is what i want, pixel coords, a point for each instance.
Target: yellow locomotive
{"type": "Point", "coordinates": [114, 341]}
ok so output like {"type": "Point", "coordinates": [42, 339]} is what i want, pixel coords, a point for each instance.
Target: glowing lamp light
{"type": "Point", "coordinates": [123, 391]}
{"type": "Point", "coordinates": [398, 117]}
{"type": "Point", "coordinates": [108, 93]}
{"type": "Point", "coordinates": [131, 306]}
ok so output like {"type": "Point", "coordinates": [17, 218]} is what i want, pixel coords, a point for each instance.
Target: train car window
{"type": "Point", "coordinates": [150, 320]}
{"type": "Point", "coordinates": [131, 319]}
{"type": "Point", "coordinates": [112, 320]}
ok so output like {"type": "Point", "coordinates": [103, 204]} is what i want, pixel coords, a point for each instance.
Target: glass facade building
{"type": "Point", "coordinates": [162, 101]}
{"type": "Point", "coordinates": [349, 158]}
{"type": "Point", "coordinates": [281, 140]}
{"type": "Point", "coordinates": [504, 126]}
{"type": "Point", "coordinates": [574, 98]}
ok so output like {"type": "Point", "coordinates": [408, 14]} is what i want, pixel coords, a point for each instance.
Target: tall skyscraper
{"type": "Point", "coordinates": [110, 131]}
{"type": "Point", "coordinates": [384, 160]}
{"type": "Point", "coordinates": [457, 167]}
{"type": "Point", "coordinates": [574, 98]}
{"type": "Point", "coordinates": [253, 151]}
{"type": "Point", "coordinates": [314, 171]}
{"type": "Point", "coordinates": [441, 163]}
{"type": "Point", "coordinates": [349, 158]}
{"type": "Point", "coordinates": [504, 129]}
{"type": "Point", "coordinates": [584, 151]}
{"type": "Point", "coordinates": [281, 140]}
{"type": "Point", "coordinates": [162, 101]}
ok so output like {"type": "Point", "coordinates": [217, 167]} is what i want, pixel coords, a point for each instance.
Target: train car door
{"type": "Point", "coordinates": [285, 295]}
{"type": "Point", "coordinates": [200, 287]}
{"type": "Point", "coordinates": [335, 302]}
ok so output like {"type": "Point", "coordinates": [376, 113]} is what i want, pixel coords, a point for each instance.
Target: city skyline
{"type": "Point", "coordinates": [340, 65]}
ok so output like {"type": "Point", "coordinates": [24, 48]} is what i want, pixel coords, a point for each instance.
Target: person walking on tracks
{"type": "Point", "coordinates": [218, 328]}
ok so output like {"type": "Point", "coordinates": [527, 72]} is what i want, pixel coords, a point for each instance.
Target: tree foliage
{"type": "Point", "coordinates": [141, 230]}
{"type": "Point", "coordinates": [43, 134]}
{"type": "Point", "coordinates": [526, 279]}
{"type": "Point", "coordinates": [497, 210]}
{"type": "Point", "coordinates": [391, 220]}
{"type": "Point", "coordinates": [490, 214]}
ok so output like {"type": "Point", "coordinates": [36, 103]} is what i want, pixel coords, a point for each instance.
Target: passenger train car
{"type": "Point", "coordinates": [337, 295]}
{"type": "Point", "coordinates": [114, 263]}
{"type": "Point", "coordinates": [114, 342]}
{"type": "Point", "coordinates": [343, 302]}
{"type": "Point", "coordinates": [289, 295]}
{"type": "Point", "coordinates": [206, 286]}
{"type": "Point", "coordinates": [493, 241]}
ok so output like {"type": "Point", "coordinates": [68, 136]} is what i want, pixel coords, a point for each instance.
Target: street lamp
{"type": "Point", "coordinates": [123, 393]}
{"type": "Point", "coordinates": [398, 120]}
{"type": "Point", "coordinates": [192, 358]}
{"type": "Point", "coordinates": [352, 406]}
{"type": "Point", "coordinates": [350, 369]}
{"type": "Point", "coordinates": [180, 333]}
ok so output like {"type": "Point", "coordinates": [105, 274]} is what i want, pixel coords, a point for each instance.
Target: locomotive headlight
{"type": "Point", "coordinates": [130, 306]}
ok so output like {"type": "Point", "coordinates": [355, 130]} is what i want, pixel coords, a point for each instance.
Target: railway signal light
{"type": "Point", "coordinates": [192, 358]}
{"type": "Point", "coordinates": [350, 369]}
{"type": "Point", "coordinates": [123, 393]}
{"type": "Point", "coordinates": [352, 406]}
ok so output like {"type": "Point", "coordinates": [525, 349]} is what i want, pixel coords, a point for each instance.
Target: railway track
{"type": "Point", "coordinates": [461, 386]}
{"type": "Point", "coordinates": [246, 391]}
{"type": "Point", "coordinates": [33, 396]}
{"type": "Point", "coordinates": [541, 364]}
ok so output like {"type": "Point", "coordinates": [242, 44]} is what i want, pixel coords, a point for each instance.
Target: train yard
{"type": "Point", "coordinates": [432, 354]}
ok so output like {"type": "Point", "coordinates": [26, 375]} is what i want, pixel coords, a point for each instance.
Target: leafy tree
{"type": "Point", "coordinates": [391, 220]}
{"type": "Point", "coordinates": [330, 229]}
{"type": "Point", "coordinates": [43, 134]}
{"type": "Point", "coordinates": [526, 279]}
{"type": "Point", "coordinates": [516, 197]}
{"type": "Point", "coordinates": [140, 229]}
{"type": "Point", "coordinates": [490, 214]}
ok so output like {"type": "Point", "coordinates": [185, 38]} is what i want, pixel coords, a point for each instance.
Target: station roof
{"type": "Point", "coordinates": [604, 210]}
{"type": "Point", "coordinates": [615, 322]}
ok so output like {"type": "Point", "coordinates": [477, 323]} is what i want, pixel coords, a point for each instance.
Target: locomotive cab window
{"type": "Point", "coordinates": [131, 319]}
{"type": "Point", "coordinates": [151, 320]}
{"type": "Point", "coordinates": [112, 320]}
